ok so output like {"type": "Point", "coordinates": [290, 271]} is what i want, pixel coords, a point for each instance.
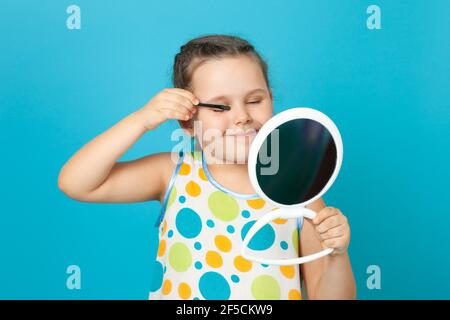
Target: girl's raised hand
{"type": "Point", "coordinates": [170, 103]}
{"type": "Point", "coordinates": [332, 229]}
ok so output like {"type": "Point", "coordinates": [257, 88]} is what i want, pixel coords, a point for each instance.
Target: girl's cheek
{"type": "Point", "coordinates": [212, 124]}
{"type": "Point", "coordinates": [262, 116]}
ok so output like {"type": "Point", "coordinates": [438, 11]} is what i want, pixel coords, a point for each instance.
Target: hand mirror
{"type": "Point", "coordinates": [293, 160]}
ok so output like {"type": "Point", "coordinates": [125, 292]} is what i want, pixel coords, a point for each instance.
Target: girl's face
{"type": "Point", "coordinates": [239, 83]}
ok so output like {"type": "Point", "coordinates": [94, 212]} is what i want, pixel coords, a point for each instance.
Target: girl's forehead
{"type": "Point", "coordinates": [232, 75]}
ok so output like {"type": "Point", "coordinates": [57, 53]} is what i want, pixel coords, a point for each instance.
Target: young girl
{"type": "Point", "coordinates": [207, 201]}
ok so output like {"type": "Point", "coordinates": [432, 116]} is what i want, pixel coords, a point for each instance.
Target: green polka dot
{"type": "Point", "coordinates": [172, 197]}
{"type": "Point", "coordinates": [223, 206]}
{"type": "Point", "coordinates": [197, 155]}
{"type": "Point", "coordinates": [295, 239]}
{"type": "Point", "coordinates": [265, 287]}
{"type": "Point", "coordinates": [180, 258]}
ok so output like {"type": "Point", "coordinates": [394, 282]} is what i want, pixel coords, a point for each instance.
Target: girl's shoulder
{"type": "Point", "coordinates": [174, 162]}
{"type": "Point", "coordinates": [172, 159]}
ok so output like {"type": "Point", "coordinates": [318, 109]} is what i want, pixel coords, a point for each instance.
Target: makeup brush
{"type": "Point", "coordinates": [214, 106]}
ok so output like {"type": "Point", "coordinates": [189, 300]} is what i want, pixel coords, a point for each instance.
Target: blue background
{"type": "Point", "coordinates": [387, 90]}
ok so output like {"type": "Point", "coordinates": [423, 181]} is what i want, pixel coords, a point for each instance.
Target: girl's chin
{"type": "Point", "coordinates": [231, 150]}
{"type": "Point", "coordinates": [232, 157]}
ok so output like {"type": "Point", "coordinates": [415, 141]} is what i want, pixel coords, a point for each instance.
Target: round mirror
{"type": "Point", "coordinates": [293, 160]}
{"type": "Point", "coordinates": [295, 157]}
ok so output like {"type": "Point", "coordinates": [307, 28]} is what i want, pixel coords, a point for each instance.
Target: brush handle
{"type": "Point", "coordinates": [215, 106]}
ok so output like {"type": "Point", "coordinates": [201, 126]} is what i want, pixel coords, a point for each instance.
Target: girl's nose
{"type": "Point", "coordinates": [240, 114]}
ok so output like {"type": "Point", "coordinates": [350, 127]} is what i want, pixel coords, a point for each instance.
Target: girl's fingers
{"type": "Point", "coordinates": [324, 214]}
{"type": "Point", "coordinates": [181, 92]}
{"type": "Point", "coordinates": [335, 243]}
{"type": "Point", "coordinates": [180, 99]}
{"type": "Point", "coordinates": [180, 107]}
{"type": "Point", "coordinates": [335, 232]}
{"type": "Point", "coordinates": [332, 229]}
{"type": "Point", "coordinates": [329, 223]}
{"type": "Point", "coordinates": [173, 113]}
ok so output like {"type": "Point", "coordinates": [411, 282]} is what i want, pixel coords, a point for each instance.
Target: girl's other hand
{"type": "Point", "coordinates": [170, 103]}
{"type": "Point", "coordinates": [332, 229]}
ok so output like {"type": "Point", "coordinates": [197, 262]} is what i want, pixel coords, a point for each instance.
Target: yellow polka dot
{"type": "Point", "coordinates": [242, 264]}
{"type": "Point", "coordinates": [193, 189]}
{"type": "Point", "coordinates": [256, 203]}
{"type": "Point", "coordinates": [164, 227]}
{"type": "Point", "coordinates": [185, 169]}
{"type": "Point", "coordinates": [161, 248]}
{"type": "Point", "coordinates": [214, 259]}
{"type": "Point", "coordinates": [167, 287]}
{"type": "Point", "coordinates": [294, 294]}
{"type": "Point", "coordinates": [280, 221]}
{"type": "Point", "coordinates": [223, 243]}
{"type": "Point", "coordinates": [184, 290]}
{"type": "Point", "coordinates": [288, 271]}
{"type": "Point", "coordinates": [202, 175]}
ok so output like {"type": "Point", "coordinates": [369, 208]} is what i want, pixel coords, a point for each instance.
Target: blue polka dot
{"type": "Point", "coordinates": [188, 223]}
{"type": "Point", "coordinates": [170, 233]}
{"type": "Point", "coordinates": [182, 199]}
{"type": "Point", "coordinates": [235, 278]}
{"type": "Point", "coordinates": [197, 245]}
{"type": "Point", "coordinates": [230, 229]}
{"type": "Point", "coordinates": [198, 265]}
{"type": "Point", "coordinates": [165, 268]}
{"type": "Point", "coordinates": [283, 245]}
{"type": "Point", "coordinates": [262, 240]}
{"type": "Point", "coordinates": [214, 286]}
{"type": "Point", "coordinates": [245, 213]}
{"type": "Point", "coordinates": [210, 223]}
{"type": "Point", "coordinates": [264, 265]}
{"type": "Point", "coordinates": [196, 298]}
{"type": "Point", "coordinates": [157, 276]}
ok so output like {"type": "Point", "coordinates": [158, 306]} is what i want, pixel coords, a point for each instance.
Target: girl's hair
{"type": "Point", "coordinates": [214, 46]}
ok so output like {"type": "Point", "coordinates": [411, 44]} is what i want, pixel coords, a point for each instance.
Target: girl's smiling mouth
{"type": "Point", "coordinates": [242, 133]}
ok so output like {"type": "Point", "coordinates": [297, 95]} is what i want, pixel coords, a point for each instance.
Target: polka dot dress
{"type": "Point", "coordinates": [201, 229]}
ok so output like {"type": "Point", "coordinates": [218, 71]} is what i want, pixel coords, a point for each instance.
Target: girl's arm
{"type": "Point", "coordinates": [93, 174]}
{"type": "Point", "coordinates": [330, 277]}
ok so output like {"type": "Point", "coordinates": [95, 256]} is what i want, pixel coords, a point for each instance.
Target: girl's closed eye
{"type": "Point", "coordinates": [255, 100]}
{"type": "Point", "coordinates": [250, 102]}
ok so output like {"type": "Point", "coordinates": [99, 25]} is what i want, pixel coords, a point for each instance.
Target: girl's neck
{"type": "Point", "coordinates": [233, 176]}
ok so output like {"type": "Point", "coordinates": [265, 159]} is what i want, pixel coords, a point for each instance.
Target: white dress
{"type": "Point", "coordinates": [201, 229]}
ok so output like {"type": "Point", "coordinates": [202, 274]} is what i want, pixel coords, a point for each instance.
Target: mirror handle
{"type": "Point", "coordinates": [281, 213]}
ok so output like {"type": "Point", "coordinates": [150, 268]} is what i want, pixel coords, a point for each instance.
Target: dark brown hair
{"type": "Point", "coordinates": [214, 46]}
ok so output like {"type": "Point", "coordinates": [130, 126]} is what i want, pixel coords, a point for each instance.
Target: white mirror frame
{"type": "Point", "coordinates": [296, 210]}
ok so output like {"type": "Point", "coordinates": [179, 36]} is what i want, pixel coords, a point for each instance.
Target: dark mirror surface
{"type": "Point", "coordinates": [296, 161]}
